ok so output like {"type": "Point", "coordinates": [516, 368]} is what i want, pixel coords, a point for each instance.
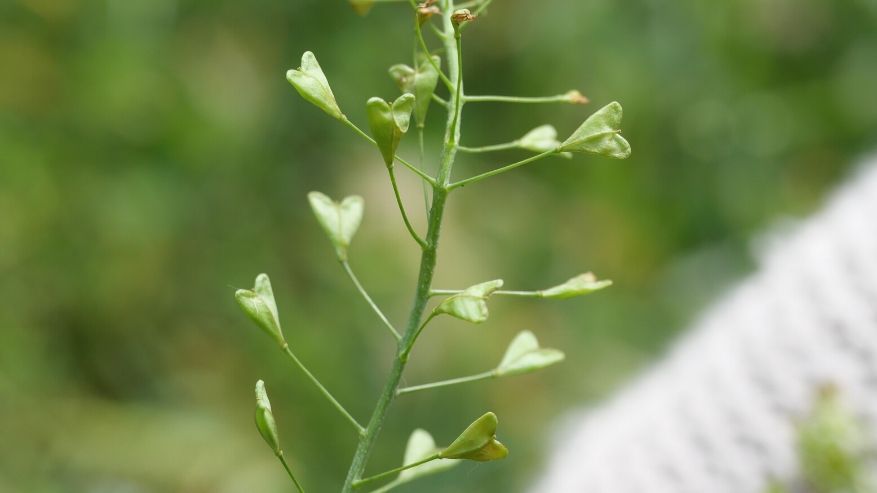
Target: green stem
{"type": "Point", "coordinates": [439, 100]}
{"type": "Point", "coordinates": [405, 163]}
{"type": "Point", "coordinates": [357, 484]}
{"type": "Point", "coordinates": [427, 270]}
{"type": "Point", "coordinates": [422, 147]}
{"type": "Point", "coordinates": [289, 471]}
{"type": "Point", "coordinates": [477, 178]}
{"type": "Point", "coordinates": [422, 326]}
{"type": "Point", "coordinates": [560, 98]}
{"type": "Point", "coordinates": [325, 391]}
{"type": "Point", "coordinates": [444, 383]}
{"type": "Point", "coordinates": [493, 148]}
{"type": "Point", "coordinates": [368, 299]}
{"type": "Point", "coordinates": [405, 219]}
{"type": "Point", "coordinates": [425, 48]}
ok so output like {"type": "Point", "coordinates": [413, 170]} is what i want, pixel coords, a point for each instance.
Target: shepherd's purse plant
{"type": "Point", "coordinates": [388, 123]}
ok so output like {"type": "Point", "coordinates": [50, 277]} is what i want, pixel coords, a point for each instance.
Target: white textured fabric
{"type": "Point", "coordinates": [717, 414]}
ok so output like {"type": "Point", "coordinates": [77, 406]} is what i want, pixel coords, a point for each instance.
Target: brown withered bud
{"type": "Point", "coordinates": [461, 16]}
{"type": "Point", "coordinates": [425, 12]}
{"type": "Point", "coordinates": [575, 97]}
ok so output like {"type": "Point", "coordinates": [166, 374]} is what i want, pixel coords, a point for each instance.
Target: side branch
{"type": "Point", "coordinates": [368, 299]}
{"type": "Point", "coordinates": [477, 178]}
{"type": "Point", "coordinates": [520, 294]}
{"type": "Point", "coordinates": [359, 428]}
{"type": "Point", "coordinates": [445, 383]}
{"type": "Point", "coordinates": [401, 205]}
{"type": "Point", "coordinates": [417, 171]}
{"type": "Point", "coordinates": [572, 97]}
{"type": "Point", "coordinates": [493, 148]}
{"type": "Point", "coordinates": [357, 484]}
{"type": "Point", "coordinates": [289, 471]}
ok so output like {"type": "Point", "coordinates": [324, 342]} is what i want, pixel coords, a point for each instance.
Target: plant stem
{"type": "Point", "coordinates": [427, 265]}
{"type": "Point", "coordinates": [560, 98]}
{"type": "Point", "coordinates": [405, 163]}
{"type": "Point", "coordinates": [477, 178]}
{"type": "Point", "coordinates": [325, 392]}
{"type": "Point", "coordinates": [289, 471]}
{"type": "Point", "coordinates": [493, 148]}
{"type": "Point", "coordinates": [422, 148]}
{"type": "Point", "coordinates": [439, 100]}
{"type": "Point", "coordinates": [444, 383]}
{"type": "Point", "coordinates": [368, 299]}
{"type": "Point", "coordinates": [425, 48]}
{"type": "Point", "coordinates": [407, 222]}
{"type": "Point", "coordinates": [357, 484]}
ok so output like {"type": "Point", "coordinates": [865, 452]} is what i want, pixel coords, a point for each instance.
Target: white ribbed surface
{"type": "Point", "coordinates": [716, 415]}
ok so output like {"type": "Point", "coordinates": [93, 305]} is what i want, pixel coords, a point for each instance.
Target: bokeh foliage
{"type": "Point", "coordinates": [153, 158]}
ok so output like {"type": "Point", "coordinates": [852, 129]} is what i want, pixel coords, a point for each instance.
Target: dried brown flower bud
{"type": "Point", "coordinates": [461, 16]}
{"type": "Point", "coordinates": [425, 12]}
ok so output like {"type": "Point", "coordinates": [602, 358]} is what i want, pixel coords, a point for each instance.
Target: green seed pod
{"type": "Point", "coordinates": [311, 83]}
{"type": "Point", "coordinates": [388, 123]}
{"type": "Point", "coordinates": [600, 134]}
{"type": "Point", "coordinates": [524, 356]}
{"type": "Point", "coordinates": [421, 83]}
{"type": "Point", "coordinates": [540, 139]}
{"type": "Point", "coordinates": [478, 442]}
{"type": "Point", "coordinates": [577, 286]}
{"type": "Point", "coordinates": [403, 75]}
{"type": "Point", "coordinates": [265, 419]}
{"type": "Point", "coordinates": [260, 306]}
{"type": "Point", "coordinates": [340, 221]}
{"type": "Point", "coordinates": [471, 304]}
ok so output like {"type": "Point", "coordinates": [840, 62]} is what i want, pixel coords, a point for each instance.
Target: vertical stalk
{"type": "Point", "coordinates": [427, 259]}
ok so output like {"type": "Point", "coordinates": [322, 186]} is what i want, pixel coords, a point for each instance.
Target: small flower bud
{"type": "Point", "coordinates": [265, 419]}
{"type": "Point", "coordinates": [339, 220]}
{"type": "Point", "coordinates": [462, 15]}
{"type": "Point", "coordinates": [575, 97]}
{"type": "Point", "coordinates": [600, 134]}
{"type": "Point", "coordinates": [311, 83]}
{"type": "Point", "coordinates": [524, 356]}
{"type": "Point", "coordinates": [362, 6]}
{"type": "Point", "coordinates": [478, 442]}
{"type": "Point", "coordinates": [388, 123]}
{"type": "Point", "coordinates": [471, 304]}
{"type": "Point", "coordinates": [260, 306]}
{"type": "Point", "coordinates": [577, 286]}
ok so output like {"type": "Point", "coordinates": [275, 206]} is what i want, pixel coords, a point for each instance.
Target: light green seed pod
{"type": "Point", "coordinates": [600, 134]}
{"type": "Point", "coordinates": [477, 442]}
{"type": "Point", "coordinates": [265, 419]}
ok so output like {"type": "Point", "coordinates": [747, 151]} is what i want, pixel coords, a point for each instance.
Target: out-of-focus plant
{"type": "Point", "coordinates": [389, 122]}
{"type": "Point", "coordinates": [832, 447]}
{"type": "Point", "coordinates": [832, 450]}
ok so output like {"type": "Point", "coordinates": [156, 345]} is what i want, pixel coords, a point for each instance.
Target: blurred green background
{"type": "Point", "coordinates": [153, 157]}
